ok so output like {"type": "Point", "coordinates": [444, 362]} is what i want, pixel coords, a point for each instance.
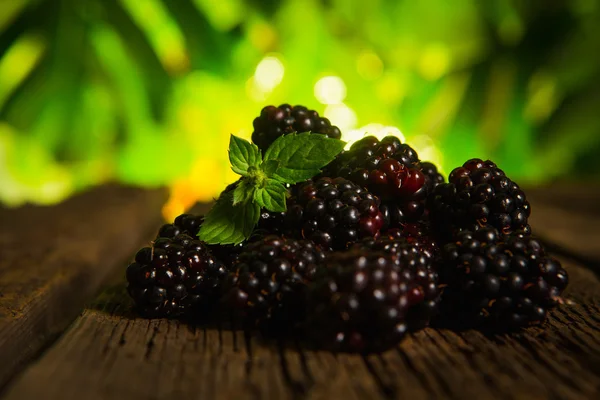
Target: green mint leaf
{"type": "Point", "coordinates": [229, 224]}
{"type": "Point", "coordinates": [272, 196]}
{"type": "Point", "coordinates": [301, 156]}
{"type": "Point", "coordinates": [269, 167]}
{"type": "Point", "coordinates": [243, 192]}
{"type": "Point", "coordinates": [243, 155]}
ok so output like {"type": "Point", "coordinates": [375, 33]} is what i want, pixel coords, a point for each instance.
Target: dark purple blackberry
{"type": "Point", "coordinates": [478, 194]}
{"type": "Point", "coordinates": [419, 257]}
{"type": "Point", "coordinates": [189, 224]}
{"type": "Point", "coordinates": [419, 234]}
{"type": "Point", "coordinates": [432, 173]}
{"type": "Point", "coordinates": [175, 276]}
{"type": "Point", "coordinates": [271, 278]}
{"type": "Point", "coordinates": [333, 213]}
{"type": "Point", "coordinates": [365, 301]}
{"type": "Point", "coordinates": [274, 122]}
{"type": "Point", "coordinates": [391, 170]}
{"type": "Point", "coordinates": [504, 281]}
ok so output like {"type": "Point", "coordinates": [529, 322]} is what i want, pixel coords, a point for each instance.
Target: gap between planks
{"type": "Point", "coordinates": [54, 259]}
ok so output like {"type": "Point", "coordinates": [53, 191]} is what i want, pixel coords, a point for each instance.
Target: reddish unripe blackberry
{"type": "Point", "coordinates": [271, 278]}
{"type": "Point", "coordinates": [391, 170]}
{"type": "Point", "coordinates": [274, 122]}
{"type": "Point", "coordinates": [174, 277]}
{"type": "Point", "coordinates": [366, 301]}
{"type": "Point", "coordinates": [189, 224]}
{"type": "Point", "coordinates": [479, 193]}
{"type": "Point", "coordinates": [505, 281]}
{"type": "Point", "coordinates": [333, 213]}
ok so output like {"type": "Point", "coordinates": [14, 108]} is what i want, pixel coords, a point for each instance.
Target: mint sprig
{"type": "Point", "coordinates": [290, 159]}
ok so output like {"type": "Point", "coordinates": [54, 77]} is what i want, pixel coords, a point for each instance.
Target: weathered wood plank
{"type": "Point", "coordinates": [108, 353]}
{"type": "Point", "coordinates": [53, 260]}
{"type": "Point", "coordinates": [570, 225]}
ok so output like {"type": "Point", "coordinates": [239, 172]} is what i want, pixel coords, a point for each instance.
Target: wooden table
{"type": "Point", "coordinates": [59, 342]}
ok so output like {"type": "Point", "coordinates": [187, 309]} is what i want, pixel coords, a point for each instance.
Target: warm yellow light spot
{"type": "Point", "coordinates": [341, 116]}
{"type": "Point", "coordinates": [204, 183]}
{"type": "Point", "coordinates": [262, 36]}
{"type": "Point", "coordinates": [330, 90]}
{"type": "Point", "coordinates": [369, 65]}
{"type": "Point", "coordinates": [269, 73]}
{"type": "Point", "coordinates": [434, 61]}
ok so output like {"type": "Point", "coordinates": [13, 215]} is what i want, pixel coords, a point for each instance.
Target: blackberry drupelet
{"type": "Point", "coordinates": [391, 170]}
{"type": "Point", "coordinates": [431, 171]}
{"type": "Point", "coordinates": [175, 276]}
{"type": "Point", "coordinates": [366, 301]}
{"type": "Point", "coordinates": [189, 224]}
{"type": "Point", "coordinates": [479, 193]}
{"type": "Point", "coordinates": [500, 281]}
{"type": "Point", "coordinates": [419, 234]}
{"type": "Point", "coordinates": [271, 278]}
{"type": "Point", "coordinates": [274, 122]}
{"type": "Point", "coordinates": [333, 213]}
{"type": "Point", "coordinates": [419, 257]}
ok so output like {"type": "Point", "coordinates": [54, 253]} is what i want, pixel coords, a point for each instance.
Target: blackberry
{"type": "Point", "coordinates": [189, 224]}
{"type": "Point", "coordinates": [419, 257]}
{"type": "Point", "coordinates": [504, 281]}
{"type": "Point", "coordinates": [366, 301]}
{"type": "Point", "coordinates": [175, 276]}
{"type": "Point", "coordinates": [271, 278]}
{"type": "Point", "coordinates": [418, 234]}
{"type": "Point", "coordinates": [274, 122]}
{"type": "Point", "coordinates": [432, 173]}
{"type": "Point", "coordinates": [479, 193]}
{"type": "Point", "coordinates": [333, 213]}
{"type": "Point", "coordinates": [391, 170]}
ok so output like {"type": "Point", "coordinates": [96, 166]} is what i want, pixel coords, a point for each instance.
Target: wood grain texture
{"type": "Point", "coordinates": [54, 259]}
{"type": "Point", "coordinates": [108, 353]}
{"type": "Point", "coordinates": [569, 217]}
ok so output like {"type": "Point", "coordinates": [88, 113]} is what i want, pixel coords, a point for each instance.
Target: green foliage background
{"type": "Point", "coordinates": [148, 91]}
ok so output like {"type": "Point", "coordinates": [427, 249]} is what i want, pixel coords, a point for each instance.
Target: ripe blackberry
{"type": "Point", "coordinates": [274, 122]}
{"type": "Point", "coordinates": [504, 281]}
{"type": "Point", "coordinates": [391, 170]}
{"type": "Point", "coordinates": [479, 193]}
{"type": "Point", "coordinates": [366, 301]}
{"type": "Point", "coordinates": [431, 171]}
{"type": "Point", "coordinates": [175, 276]}
{"type": "Point", "coordinates": [189, 224]}
{"type": "Point", "coordinates": [333, 213]}
{"type": "Point", "coordinates": [271, 278]}
{"type": "Point", "coordinates": [419, 234]}
{"type": "Point", "coordinates": [419, 257]}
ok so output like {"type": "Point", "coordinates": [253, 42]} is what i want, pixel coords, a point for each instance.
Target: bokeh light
{"type": "Point", "coordinates": [147, 92]}
{"type": "Point", "coordinates": [330, 90]}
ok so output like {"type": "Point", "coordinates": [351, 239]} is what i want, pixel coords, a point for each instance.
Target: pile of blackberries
{"type": "Point", "coordinates": [374, 247]}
